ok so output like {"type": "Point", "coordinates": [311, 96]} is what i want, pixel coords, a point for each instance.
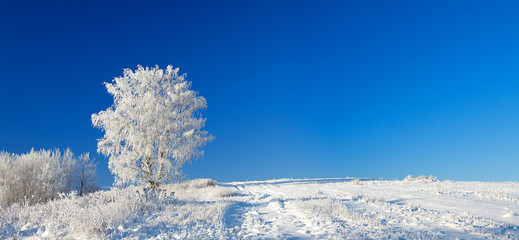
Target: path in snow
{"type": "Point", "coordinates": [353, 209]}
{"type": "Point", "coordinates": [263, 214]}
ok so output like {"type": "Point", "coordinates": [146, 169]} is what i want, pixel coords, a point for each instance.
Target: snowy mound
{"type": "Point", "coordinates": [279, 209]}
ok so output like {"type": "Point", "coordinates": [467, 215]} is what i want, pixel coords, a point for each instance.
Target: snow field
{"type": "Point", "coordinates": [278, 209]}
{"type": "Point", "coordinates": [372, 209]}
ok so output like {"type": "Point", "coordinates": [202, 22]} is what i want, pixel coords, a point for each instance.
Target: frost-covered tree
{"type": "Point", "coordinates": [86, 177]}
{"type": "Point", "coordinates": [39, 175]}
{"type": "Point", "coordinates": [154, 126]}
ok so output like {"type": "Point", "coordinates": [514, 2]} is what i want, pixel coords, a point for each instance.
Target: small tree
{"type": "Point", "coordinates": [153, 127]}
{"type": "Point", "coordinates": [86, 176]}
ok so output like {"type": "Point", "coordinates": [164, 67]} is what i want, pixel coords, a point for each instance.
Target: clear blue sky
{"type": "Point", "coordinates": [294, 88]}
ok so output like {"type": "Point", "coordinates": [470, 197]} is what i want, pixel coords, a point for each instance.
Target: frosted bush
{"type": "Point", "coordinates": [226, 192]}
{"type": "Point", "coordinates": [201, 182]}
{"type": "Point", "coordinates": [422, 177]}
{"type": "Point", "coordinates": [201, 189]}
{"type": "Point", "coordinates": [367, 199]}
{"type": "Point", "coordinates": [39, 176]}
{"type": "Point", "coordinates": [356, 182]}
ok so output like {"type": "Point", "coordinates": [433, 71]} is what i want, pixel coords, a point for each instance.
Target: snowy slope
{"type": "Point", "coordinates": [279, 209]}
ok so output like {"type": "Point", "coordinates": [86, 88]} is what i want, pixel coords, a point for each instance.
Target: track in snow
{"type": "Point", "coordinates": [353, 209]}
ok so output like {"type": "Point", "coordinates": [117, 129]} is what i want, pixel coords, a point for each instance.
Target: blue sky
{"type": "Point", "coordinates": [294, 88]}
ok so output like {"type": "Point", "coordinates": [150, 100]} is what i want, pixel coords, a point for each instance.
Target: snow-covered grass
{"type": "Point", "coordinates": [415, 208]}
{"type": "Point", "coordinates": [188, 210]}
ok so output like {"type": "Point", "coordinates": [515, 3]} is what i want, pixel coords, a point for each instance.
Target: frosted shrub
{"type": "Point", "coordinates": [228, 193]}
{"type": "Point", "coordinates": [201, 189]}
{"type": "Point", "coordinates": [356, 182]}
{"type": "Point", "coordinates": [422, 177]}
{"type": "Point", "coordinates": [366, 199]}
{"type": "Point", "coordinates": [409, 178]}
{"type": "Point", "coordinates": [36, 176]}
{"type": "Point", "coordinates": [201, 182]}
{"type": "Point", "coordinates": [96, 214]}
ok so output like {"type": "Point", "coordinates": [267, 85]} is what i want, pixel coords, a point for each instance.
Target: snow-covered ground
{"type": "Point", "coordinates": [280, 209]}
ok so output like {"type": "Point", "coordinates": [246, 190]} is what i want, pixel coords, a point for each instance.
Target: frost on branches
{"type": "Point", "coordinates": [153, 127]}
{"type": "Point", "coordinates": [39, 176]}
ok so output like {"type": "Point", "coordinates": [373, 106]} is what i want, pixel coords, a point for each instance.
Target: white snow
{"type": "Point", "coordinates": [344, 208]}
